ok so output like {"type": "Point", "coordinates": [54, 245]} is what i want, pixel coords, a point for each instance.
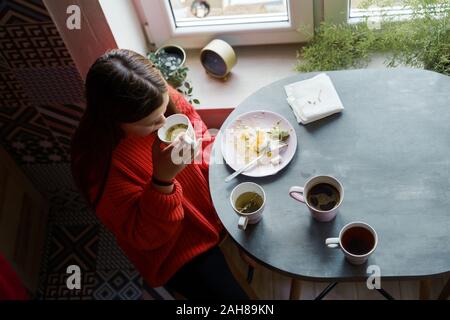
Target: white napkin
{"type": "Point", "coordinates": [313, 99]}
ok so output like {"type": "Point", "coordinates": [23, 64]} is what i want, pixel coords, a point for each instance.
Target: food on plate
{"type": "Point", "coordinates": [277, 134]}
{"type": "Point", "coordinates": [276, 160]}
{"type": "Point", "coordinates": [252, 141]}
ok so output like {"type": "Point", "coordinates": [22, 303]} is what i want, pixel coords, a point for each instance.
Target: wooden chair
{"type": "Point", "coordinates": [445, 293]}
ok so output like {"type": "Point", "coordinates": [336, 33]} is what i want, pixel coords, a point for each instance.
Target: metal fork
{"type": "Point", "coordinates": [251, 163]}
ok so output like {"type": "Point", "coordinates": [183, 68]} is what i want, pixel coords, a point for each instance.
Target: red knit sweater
{"type": "Point", "coordinates": [158, 232]}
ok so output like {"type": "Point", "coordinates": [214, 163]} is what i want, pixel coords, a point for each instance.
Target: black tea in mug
{"type": "Point", "coordinates": [323, 196]}
{"type": "Point", "coordinates": [358, 240]}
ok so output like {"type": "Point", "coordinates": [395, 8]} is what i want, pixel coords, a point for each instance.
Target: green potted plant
{"type": "Point", "coordinates": [422, 41]}
{"type": "Point", "coordinates": [170, 61]}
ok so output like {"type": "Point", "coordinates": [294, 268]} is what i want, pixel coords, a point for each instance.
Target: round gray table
{"type": "Point", "coordinates": [390, 148]}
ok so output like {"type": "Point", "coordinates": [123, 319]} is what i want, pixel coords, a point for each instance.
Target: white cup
{"type": "Point", "coordinates": [252, 217]}
{"type": "Point", "coordinates": [175, 119]}
{"type": "Point", "coordinates": [358, 234]}
{"type": "Point", "coordinates": [301, 194]}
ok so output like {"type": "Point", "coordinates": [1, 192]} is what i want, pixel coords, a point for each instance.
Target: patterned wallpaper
{"type": "Point", "coordinates": [41, 92]}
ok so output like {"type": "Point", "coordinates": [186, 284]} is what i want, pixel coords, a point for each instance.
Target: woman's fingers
{"type": "Point", "coordinates": [195, 150]}
{"type": "Point", "coordinates": [179, 151]}
{"type": "Point", "coordinates": [168, 149]}
{"type": "Point", "coordinates": [156, 148]}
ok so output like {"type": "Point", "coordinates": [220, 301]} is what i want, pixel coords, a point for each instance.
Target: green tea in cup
{"type": "Point", "coordinates": [249, 202]}
{"type": "Point", "coordinates": [175, 130]}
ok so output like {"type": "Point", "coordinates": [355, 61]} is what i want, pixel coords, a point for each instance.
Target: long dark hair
{"type": "Point", "coordinates": [121, 86]}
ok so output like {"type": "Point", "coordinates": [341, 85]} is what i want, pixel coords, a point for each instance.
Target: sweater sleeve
{"type": "Point", "coordinates": [145, 218]}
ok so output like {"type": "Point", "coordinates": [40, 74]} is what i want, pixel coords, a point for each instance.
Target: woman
{"type": "Point", "coordinates": [160, 212]}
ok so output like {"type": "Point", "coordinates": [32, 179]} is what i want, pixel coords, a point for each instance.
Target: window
{"type": "Point", "coordinates": [396, 9]}
{"type": "Point", "coordinates": [188, 13]}
{"type": "Point", "coordinates": [193, 23]}
{"type": "Point", "coordinates": [389, 8]}
{"type": "Point", "coordinates": [352, 11]}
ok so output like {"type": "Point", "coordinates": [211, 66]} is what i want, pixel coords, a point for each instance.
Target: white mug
{"type": "Point", "coordinates": [358, 234]}
{"type": "Point", "coordinates": [252, 217]}
{"type": "Point", "coordinates": [301, 194]}
{"type": "Point", "coordinates": [175, 119]}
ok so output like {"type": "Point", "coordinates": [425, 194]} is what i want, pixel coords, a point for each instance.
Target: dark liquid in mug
{"type": "Point", "coordinates": [323, 196]}
{"type": "Point", "coordinates": [358, 240]}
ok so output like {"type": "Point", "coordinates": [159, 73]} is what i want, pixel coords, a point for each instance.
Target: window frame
{"type": "Point", "coordinates": [161, 29]}
{"type": "Point", "coordinates": [395, 13]}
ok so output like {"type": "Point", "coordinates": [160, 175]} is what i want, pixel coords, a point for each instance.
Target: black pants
{"type": "Point", "coordinates": [207, 276]}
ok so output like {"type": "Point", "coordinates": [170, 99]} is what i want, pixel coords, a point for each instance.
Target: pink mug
{"type": "Point", "coordinates": [301, 194]}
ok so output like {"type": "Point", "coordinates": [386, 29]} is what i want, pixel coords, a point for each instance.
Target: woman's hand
{"type": "Point", "coordinates": [171, 160]}
{"type": "Point", "coordinates": [164, 168]}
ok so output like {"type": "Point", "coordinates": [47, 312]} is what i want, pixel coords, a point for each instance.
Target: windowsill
{"type": "Point", "coordinates": [256, 67]}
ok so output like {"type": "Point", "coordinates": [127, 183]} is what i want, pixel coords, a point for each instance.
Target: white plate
{"type": "Point", "coordinates": [264, 120]}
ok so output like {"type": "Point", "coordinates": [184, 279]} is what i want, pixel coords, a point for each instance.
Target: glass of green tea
{"type": "Point", "coordinates": [248, 200]}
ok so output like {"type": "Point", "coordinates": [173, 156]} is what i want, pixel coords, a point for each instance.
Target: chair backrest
{"type": "Point", "coordinates": [214, 118]}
